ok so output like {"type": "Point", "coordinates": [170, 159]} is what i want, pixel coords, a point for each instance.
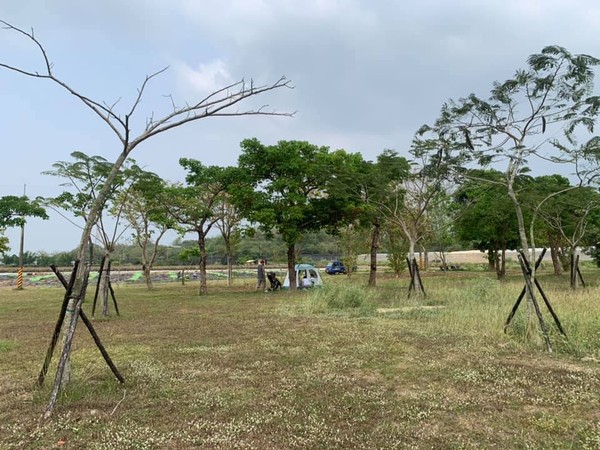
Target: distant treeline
{"type": "Point", "coordinates": [315, 248]}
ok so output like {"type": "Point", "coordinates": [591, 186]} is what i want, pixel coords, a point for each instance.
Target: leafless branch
{"type": "Point", "coordinates": [141, 90]}
{"type": "Point", "coordinates": [213, 105]}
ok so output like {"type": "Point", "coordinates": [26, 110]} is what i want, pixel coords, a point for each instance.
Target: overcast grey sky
{"type": "Point", "coordinates": [367, 74]}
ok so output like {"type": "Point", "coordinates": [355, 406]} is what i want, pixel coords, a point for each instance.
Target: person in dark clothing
{"type": "Point", "coordinates": [261, 276]}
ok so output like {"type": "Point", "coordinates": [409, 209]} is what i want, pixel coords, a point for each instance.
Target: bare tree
{"type": "Point", "coordinates": [220, 103]}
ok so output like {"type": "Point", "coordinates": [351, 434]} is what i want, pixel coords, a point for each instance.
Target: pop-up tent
{"type": "Point", "coordinates": [307, 276]}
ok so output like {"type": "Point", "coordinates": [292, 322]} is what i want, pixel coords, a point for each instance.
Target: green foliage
{"type": "Point", "coordinates": [84, 178]}
{"type": "Point", "coordinates": [3, 243]}
{"type": "Point", "coordinates": [14, 210]}
{"type": "Point", "coordinates": [397, 249]}
{"type": "Point", "coordinates": [484, 215]}
{"type": "Point", "coordinates": [285, 191]}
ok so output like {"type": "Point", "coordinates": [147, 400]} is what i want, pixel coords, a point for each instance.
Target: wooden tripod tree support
{"type": "Point", "coordinates": [575, 272]}
{"type": "Point", "coordinates": [528, 288]}
{"type": "Point", "coordinates": [415, 279]}
{"type": "Point", "coordinates": [112, 291]}
{"type": "Point", "coordinates": [69, 338]}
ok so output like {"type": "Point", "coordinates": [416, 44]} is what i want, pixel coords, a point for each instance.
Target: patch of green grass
{"type": "Point", "coordinates": [6, 346]}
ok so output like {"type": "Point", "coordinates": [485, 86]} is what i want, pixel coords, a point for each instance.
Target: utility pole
{"type": "Point", "coordinates": [21, 247]}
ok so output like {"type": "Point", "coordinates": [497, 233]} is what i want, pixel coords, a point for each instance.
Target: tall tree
{"type": "Point", "coordinates": [14, 211]}
{"type": "Point", "coordinates": [410, 197]}
{"type": "Point", "coordinates": [85, 178]}
{"type": "Point", "coordinates": [220, 103]}
{"type": "Point", "coordinates": [229, 219]}
{"type": "Point", "coordinates": [285, 191]}
{"type": "Point", "coordinates": [365, 188]}
{"type": "Point", "coordinates": [554, 92]}
{"type": "Point", "coordinates": [144, 208]}
{"type": "Point", "coordinates": [196, 207]}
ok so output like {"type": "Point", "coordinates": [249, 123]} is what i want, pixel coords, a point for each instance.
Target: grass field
{"type": "Point", "coordinates": [340, 367]}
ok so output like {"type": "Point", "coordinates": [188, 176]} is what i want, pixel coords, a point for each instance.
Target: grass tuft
{"type": "Point", "coordinates": [348, 299]}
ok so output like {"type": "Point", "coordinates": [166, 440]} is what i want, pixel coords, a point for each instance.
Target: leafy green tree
{"type": "Point", "coordinates": [365, 188]}
{"type": "Point", "coordinates": [143, 207]}
{"type": "Point", "coordinates": [354, 239]}
{"type": "Point", "coordinates": [286, 191]}
{"type": "Point", "coordinates": [14, 212]}
{"type": "Point", "coordinates": [196, 206]}
{"type": "Point", "coordinates": [554, 92]}
{"type": "Point", "coordinates": [29, 259]}
{"type": "Point", "coordinates": [441, 232]}
{"type": "Point", "coordinates": [85, 178]}
{"type": "Point", "coordinates": [3, 242]}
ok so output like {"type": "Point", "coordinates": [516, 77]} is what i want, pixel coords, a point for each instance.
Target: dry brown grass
{"type": "Point", "coordinates": [240, 369]}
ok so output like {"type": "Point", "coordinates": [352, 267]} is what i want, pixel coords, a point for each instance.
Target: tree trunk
{"type": "Point", "coordinates": [291, 257]}
{"type": "Point", "coordinates": [556, 264]}
{"type": "Point", "coordinates": [202, 249]}
{"type": "Point", "coordinates": [229, 270]}
{"type": "Point", "coordinates": [574, 265]}
{"type": "Point", "coordinates": [502, 263]}
{"type": "Point", "coordinates": [374, 247]}
{"type": "Point", "coordinates": [147, 276]}
{"type": "Point", "coordinates": [521, 222]}
{"type": "Point", "coordinates": [411, 248]}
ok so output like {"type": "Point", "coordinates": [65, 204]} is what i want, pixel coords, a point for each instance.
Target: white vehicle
{"type": "Point", "coordinates": [307, 276]}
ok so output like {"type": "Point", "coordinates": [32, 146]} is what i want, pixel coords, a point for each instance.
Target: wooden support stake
{"type": "Point", "coordinates": [419, 279]}
{"type": "Point", "coordinates": [92, 331]}
{"type": "Point", "coordinates": [415, 277]}
{"type": "Point", "coordinates": [580, 276]}
{"type": "Point", "coordinates": [96, 338]}
{"type": "Point", "coordinates": [66, 352]}
{"type": "Point", "coordinates": [59, 322]}
{"type": "Point", "coordinates": [536, 306]}
{"type": "Point", "coordinates": [549, 306]}
{"type": "Point", "coordinates": [522, 294]}
{"type": "Point", "coordinates": [100, 271]}
{"type": "Point", "coordinates": [412, 279]}
{"type": "Point", "coordinates": [112, 291]}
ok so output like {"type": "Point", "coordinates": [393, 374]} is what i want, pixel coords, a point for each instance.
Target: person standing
{"type": "Point", "coordinates": [261, 276]}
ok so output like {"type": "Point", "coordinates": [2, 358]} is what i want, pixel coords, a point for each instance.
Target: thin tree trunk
{"type": "Point", "coordinates": [229, 271]}
{"type": "Point", "coordinates": [229, 264]}
{"type": "Point", "coordinates": [492, 258]}
{"type": "Point", "coordinates": [291, 257]}
{"type": "Point", "coordinates": [574, 266]}
{"type": "Point", "coordinates": [202, 249]}
{"type": "Point", "coordinates": [411, 248]}
{"type": "Point", "coordinates": [556, 264]}
{"type": "Point", "coordinates": [521, 223]}
{"type": "Point", "coordinates": [147, 276]}
{"type": "Point", "coordinates": [425, 257]}
{"type": "Point", "coordinates": [374, 247]}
